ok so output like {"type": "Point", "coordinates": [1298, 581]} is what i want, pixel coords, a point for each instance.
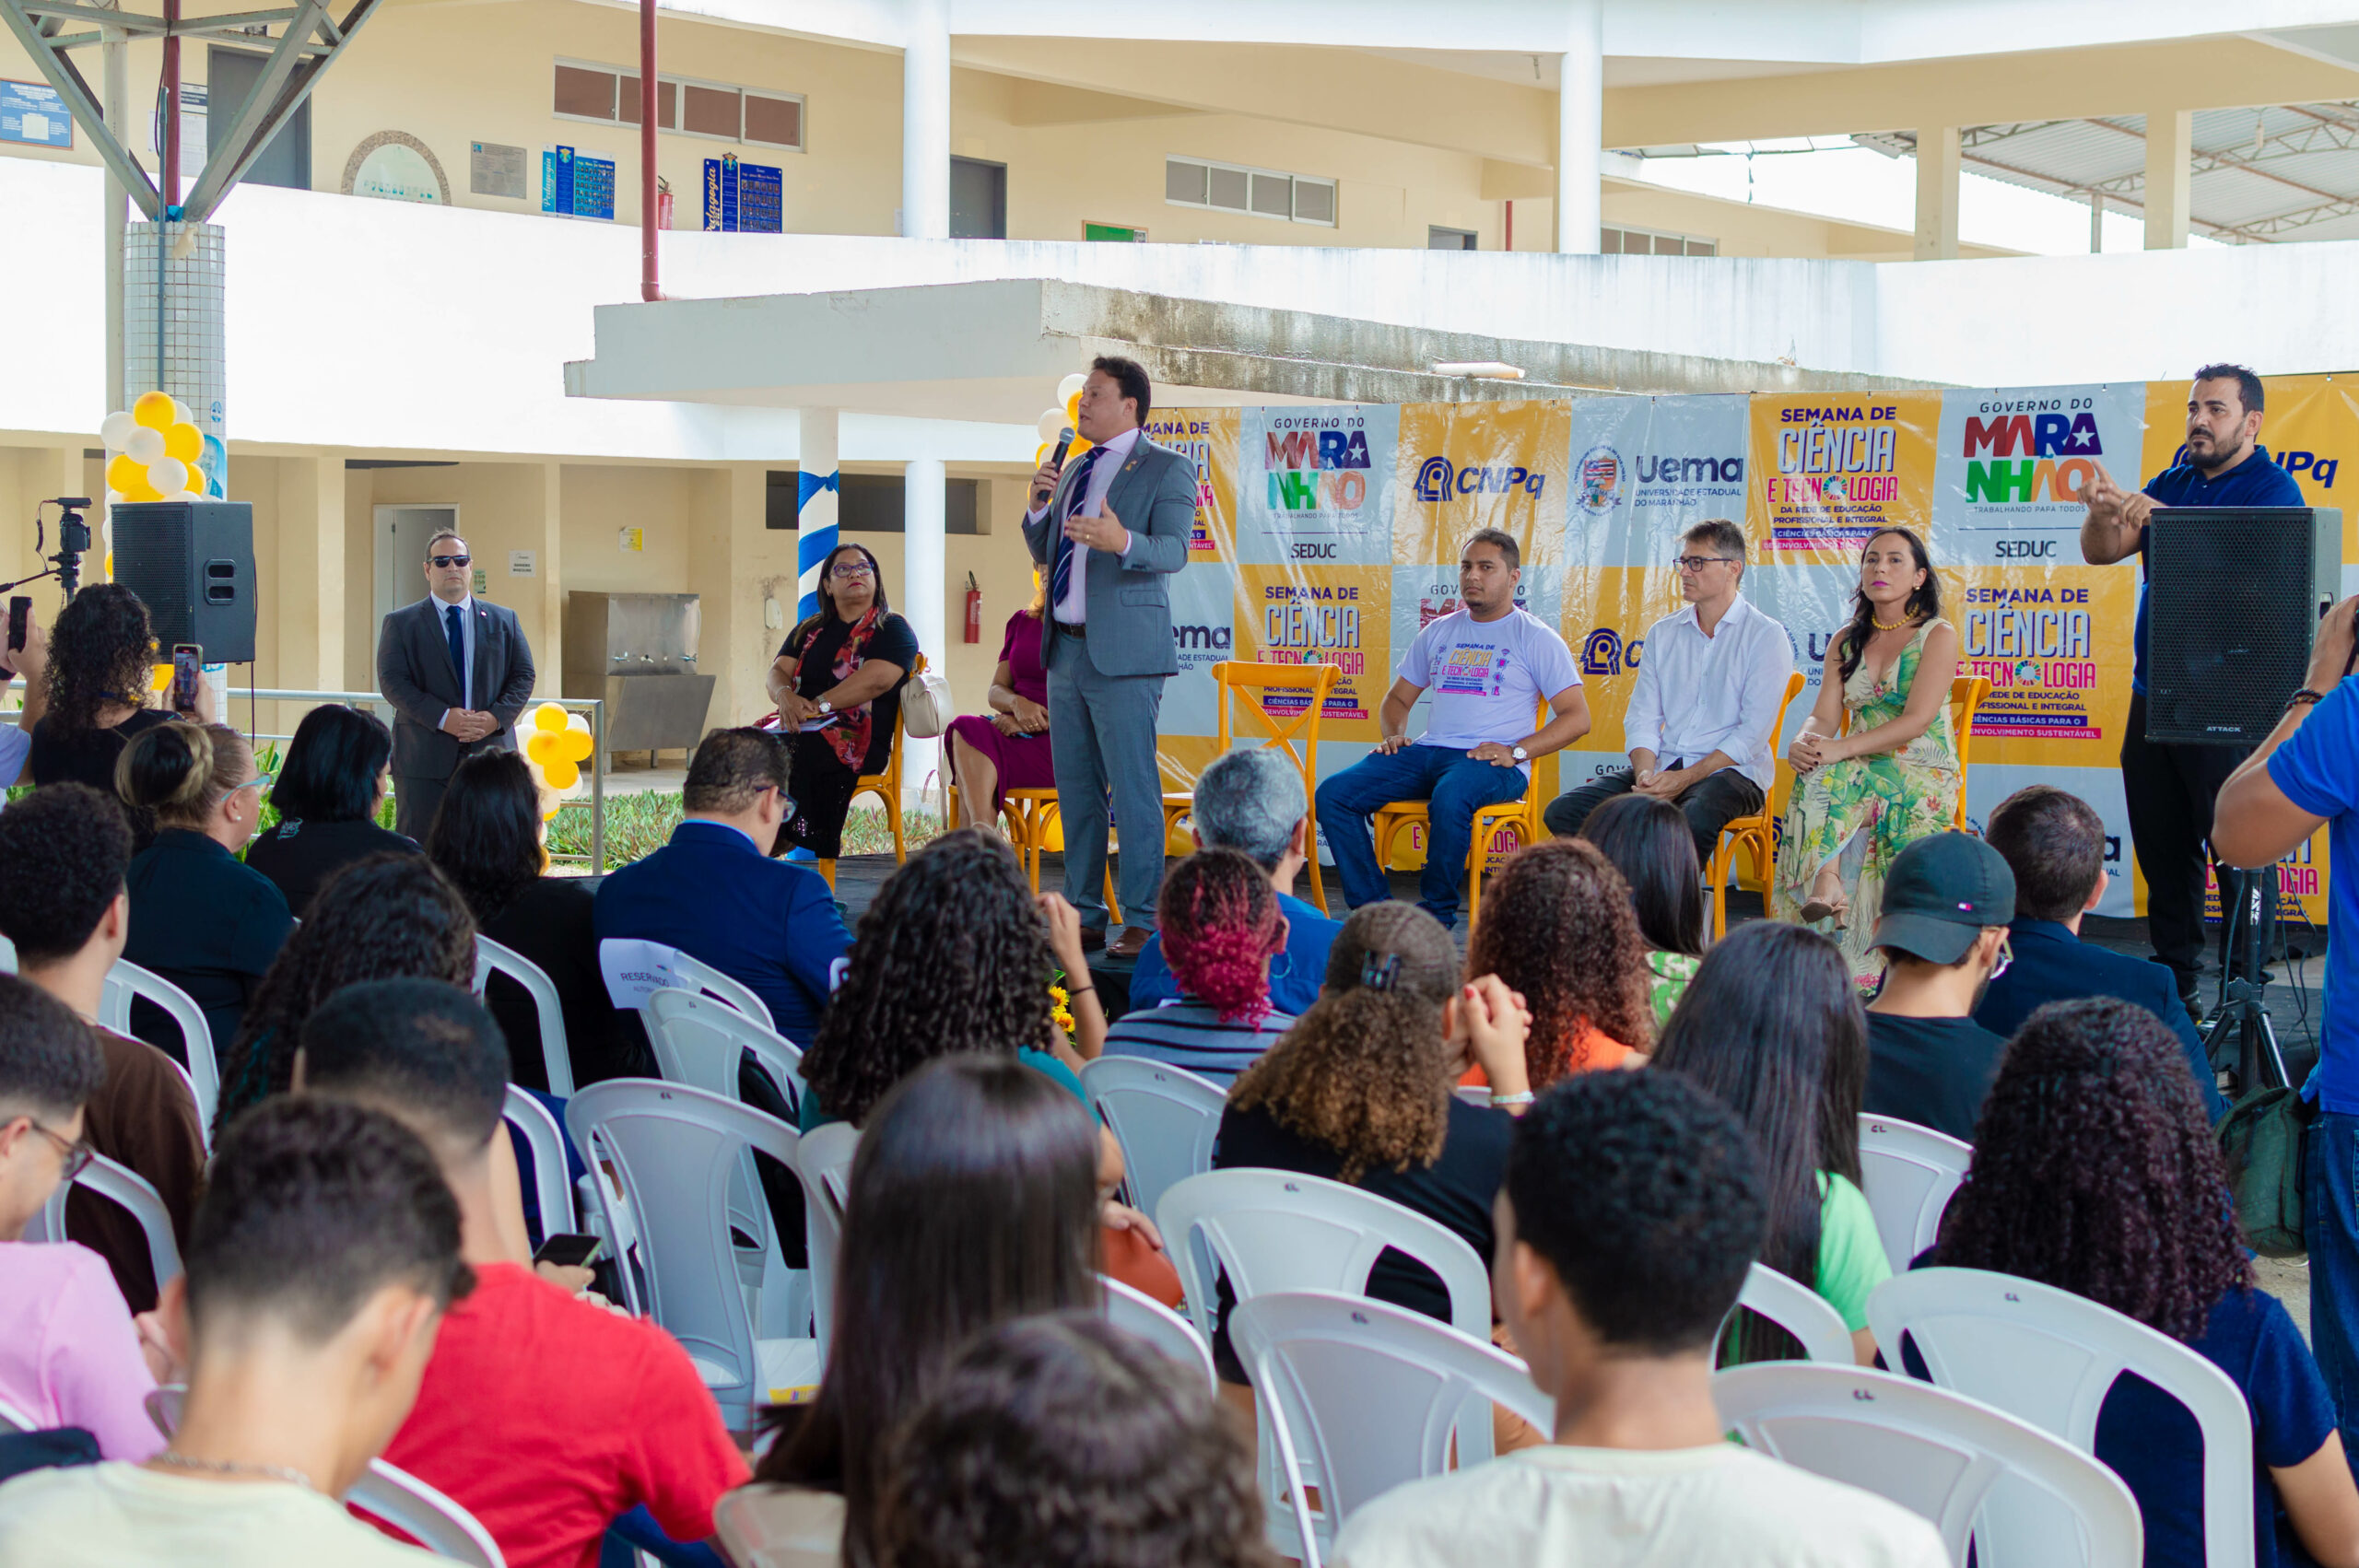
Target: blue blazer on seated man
{"type": "Point", "coordinates": [2055, 844]}
{"type": "Point", "coordinates": [715, 894]}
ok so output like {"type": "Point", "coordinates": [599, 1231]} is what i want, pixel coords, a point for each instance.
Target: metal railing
{"type": "Point", "coordinates": [596, 707]}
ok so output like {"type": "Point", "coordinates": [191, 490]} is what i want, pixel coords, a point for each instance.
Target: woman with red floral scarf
{"type": "Point", "coordinates": [837, 682]}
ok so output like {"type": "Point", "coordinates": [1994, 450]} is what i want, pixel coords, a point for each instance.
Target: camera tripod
{"type": "Point", "coordinates": [2248, 899]}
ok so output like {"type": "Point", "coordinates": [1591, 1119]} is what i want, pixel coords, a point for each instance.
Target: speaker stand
{"type": "Point", "coordinates": [2249, 900]}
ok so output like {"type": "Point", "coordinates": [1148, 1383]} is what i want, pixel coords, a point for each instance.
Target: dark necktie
{"type": "Point", "coordinates": [1066, 550]}
{"type": "Point", "coordinates": [457, 631]}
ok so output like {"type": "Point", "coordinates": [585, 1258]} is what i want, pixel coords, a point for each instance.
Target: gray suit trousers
{"type": "Point", "coordinates": [1102, 735]}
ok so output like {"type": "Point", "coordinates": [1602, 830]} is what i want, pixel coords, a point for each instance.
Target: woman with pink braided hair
{"type": "Point", "coordinates": [1221, 926]}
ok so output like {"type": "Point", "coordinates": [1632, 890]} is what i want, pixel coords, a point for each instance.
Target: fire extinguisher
{"type": "Point", "coordinates": [974, 610]}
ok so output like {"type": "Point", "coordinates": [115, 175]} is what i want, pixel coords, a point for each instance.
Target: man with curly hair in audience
{"type": "Point", "coordinates": [1630, 1214]}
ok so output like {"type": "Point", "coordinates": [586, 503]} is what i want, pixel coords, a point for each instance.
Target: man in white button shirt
{"type": "Point", "coordinates": [1707, 693]}
{"type": "Point", "coordinates": [1106, 529]}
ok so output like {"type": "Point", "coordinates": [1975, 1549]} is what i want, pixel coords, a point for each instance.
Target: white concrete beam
{"type": "Point", "coordinates": [925, 123]}
{"type": "Point", "coordinates": [2169, 141]}
{"type": "Point", "coordinates": [1580, 129]}
{"type": "Point", "coordinates": [1937, 187]}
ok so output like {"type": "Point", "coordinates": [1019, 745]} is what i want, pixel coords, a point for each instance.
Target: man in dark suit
{"type": "Point", "coordinates": [2055, 844]}
{"type": "Point", "coordinates": [1106, 529]}
{"type": "Point", "coordinates": [715, 894]}
{"type": "Point", "coordinates": [458, 672]}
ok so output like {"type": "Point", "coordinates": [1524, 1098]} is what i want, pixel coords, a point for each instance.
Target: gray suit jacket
{"type": "Point", "coordinates": [415, 673]}
{"type": "Point", "coordinates": [1128, 603]}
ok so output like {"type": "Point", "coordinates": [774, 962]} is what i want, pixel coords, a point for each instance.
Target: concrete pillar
{"type": "Point", "coordinates": [308, 574]}
{"type": "Point", "coordinates": [548, 569]}
{"type": "Point", "coordinates": [2170, 137]}
{"type": "Point", "coordinates": [730, 551]}
{"type": "Point", "coordinates": [815, 514]}
{"type": "Point", "coordinates": [114, 52]}
{"type": "Point", "coordinates": [1937, 175]}
{"type": "Point", "coordinates": [925, 123]}
{"type": "Point", "coordinates": [1580, 130]}
{"type": "Point", "coordinates": [2096, 222]}
{"type": "Point", "coordinates": [925, 589]}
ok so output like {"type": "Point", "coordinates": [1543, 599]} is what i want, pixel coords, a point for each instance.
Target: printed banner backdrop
{"type": "Point", "coordinates": [1330, 536]}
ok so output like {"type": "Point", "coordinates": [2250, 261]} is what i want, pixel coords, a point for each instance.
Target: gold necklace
{"type": "Point", "coordinates": [1893, 626]}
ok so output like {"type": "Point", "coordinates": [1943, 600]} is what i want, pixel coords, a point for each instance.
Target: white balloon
{"type": "Point", "coordinates": [180, 414]}
{"type": "Point", "coordinates": [169, 475]}
{"type": "Point", "coordinates": [1070, 385]}
{"type": "Point", "coordinates": [114, 497]}
{"type": "Point", "coordinates": [576, 722]}
{"type": "Point", "coordinates": [115, 430]}
{"type": "Point", "coordinates": [1052, 424]}
{"type": "Point", "coordinates": [184, 496]}
{"type": "Point", "coordinates": [146, 446]}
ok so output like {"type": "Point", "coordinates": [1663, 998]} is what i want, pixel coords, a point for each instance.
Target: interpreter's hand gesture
{"type": "Point", "coordinates": [2100, 494]}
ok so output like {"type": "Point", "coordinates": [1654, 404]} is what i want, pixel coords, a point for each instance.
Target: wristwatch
{"type": "Point", "coordinates": [825, 707]}
{"type": "Point", "coordinates": [1523, 755]}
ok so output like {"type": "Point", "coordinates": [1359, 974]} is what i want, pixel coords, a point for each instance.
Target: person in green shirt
{"type": "Point", "coordinates": [1649, 842]}
{"type": "Point", "coordinates": [1772, 1026]}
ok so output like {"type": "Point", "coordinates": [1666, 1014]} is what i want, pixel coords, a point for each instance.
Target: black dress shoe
{"type": "Point", "coordinates": [1093, 938]}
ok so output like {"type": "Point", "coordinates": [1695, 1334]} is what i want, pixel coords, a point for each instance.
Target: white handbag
{"type": "Point", "coordinates": [926, 706]}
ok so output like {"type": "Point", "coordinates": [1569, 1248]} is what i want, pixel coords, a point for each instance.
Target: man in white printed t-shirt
{"type": "Point", "coordinates": [1488, 665]}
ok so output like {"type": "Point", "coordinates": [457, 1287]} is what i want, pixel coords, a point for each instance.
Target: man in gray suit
{"type": "Point", "coordinates": [1106, 529]}
{"type": "Point", "coordinates": [437, 659]}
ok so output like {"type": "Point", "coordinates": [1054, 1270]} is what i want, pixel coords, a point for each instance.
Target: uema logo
{"type": "Point", "coordinates": [1438, 480]}
{"type": "Point", "coordinates": [1597, 480]}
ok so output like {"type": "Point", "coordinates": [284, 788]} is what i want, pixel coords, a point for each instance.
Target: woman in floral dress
{"type": "Point", "coordinates": [1893, 777]}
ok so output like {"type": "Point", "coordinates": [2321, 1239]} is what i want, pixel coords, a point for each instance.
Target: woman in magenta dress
{"type": "Point", "coordinates": [1007, 748]}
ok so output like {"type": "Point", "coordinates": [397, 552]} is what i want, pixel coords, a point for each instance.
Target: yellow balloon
{"type": "Point", "coordinates": [155, 410]}
{"type": "Point", "coordinates": [549, 716]}
{"type": "Point", "coordinates": [185, 442]}
{"type": "Point", "coordinates": [541, 747]}
{"type": "Point", "coordinates": [142, 491]}
{"type": "Point", "coordinates": [573, 746]}
{"type": "Point", "coordinates": [1073, 409]}
{"type": "Point", "coordinates": [1040, 454]}
{"type": "Point", "coordinates": [562, 776]}
{"type": "Point", "coordinates": [126, 472]}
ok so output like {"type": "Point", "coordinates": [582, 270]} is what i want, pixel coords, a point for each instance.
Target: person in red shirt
{"type": "Point", "coordinates": [546, 1416]}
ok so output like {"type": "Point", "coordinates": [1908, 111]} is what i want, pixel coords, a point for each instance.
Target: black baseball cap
{"type": "Point", "coordinates": [1942, 893]}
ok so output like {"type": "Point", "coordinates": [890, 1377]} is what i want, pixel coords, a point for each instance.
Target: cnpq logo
{"type": "Point", "coordinates": [1438, 480]}
{"type": "Point", "coordinates": [1604, 653]}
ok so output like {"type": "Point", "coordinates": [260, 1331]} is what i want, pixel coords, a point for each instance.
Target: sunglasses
{"type": "Point", "coordinates": [73, 1154]}
{"type": "Point", "coordinates": [449, 560]}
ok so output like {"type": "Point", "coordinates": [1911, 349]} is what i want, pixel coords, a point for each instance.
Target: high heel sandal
{"type": "Point", "coordinates": [1816, 908]}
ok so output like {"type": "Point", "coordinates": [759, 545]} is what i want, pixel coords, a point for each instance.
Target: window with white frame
{"type": "Point", "coordinates": [1646, 242]}
{"type": "Point", "coordinates": [717, 110]}
{"type": "Point", "coordinates": [1258, 192]}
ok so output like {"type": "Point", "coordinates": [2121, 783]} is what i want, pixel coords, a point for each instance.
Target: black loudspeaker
{"type": "Point", "coordinates": [193, 563]}
{"type": "Point", "coordinates": [2233, 598]}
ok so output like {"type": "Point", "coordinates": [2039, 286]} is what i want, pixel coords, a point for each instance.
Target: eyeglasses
{"type": "Point", "coordinates": [449, 560]}
{"type": "Point", "coordinates": [259, 782]}
{"type": "Point", "coordinates": [73, 1154]}
{"type": "Point", "coordinates": [851, 568]}
{"type": "Point", "coordinates": [2006, 956]}
{"type": "Point", "coordinates": [1698, 563]}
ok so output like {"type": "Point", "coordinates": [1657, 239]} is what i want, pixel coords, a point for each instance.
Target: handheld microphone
{"type": "Point", "coordinates": [1064, 440]}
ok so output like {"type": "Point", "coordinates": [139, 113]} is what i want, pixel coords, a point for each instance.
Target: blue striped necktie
{"type": "Point", "coordinates": [1066, 550]}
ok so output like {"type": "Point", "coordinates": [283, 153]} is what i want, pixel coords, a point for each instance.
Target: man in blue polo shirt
{"type": "Point", "coordinates": [2169, 789]}
{"type": "Point", "coordinates": [2307, 773]}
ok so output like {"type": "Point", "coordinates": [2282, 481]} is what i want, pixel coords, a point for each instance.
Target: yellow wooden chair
{"type": "Point", "coordinates": [886, 787]}
{"type": "Point", "coordinates": [1966, 694]}
{"type": "Point", "coordinates": [1521, 813]}
{"type": "Point", "coordinates": [1253, 683]}
{"type": "Point", "coordinates": [1756, 834]}
{"type": "Point", "coordinates": [1029, 815]}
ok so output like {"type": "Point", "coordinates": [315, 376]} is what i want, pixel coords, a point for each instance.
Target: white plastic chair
{"type": "Point", "coordinates": [531, 1120]}
{"type": "Point", "coordinates": [699, 1040]}
{"type": "Point", "coordinates": [1942, 1456]}
{"type": "Point", "coordinates": [431, 1518]}
{"type": "Point", "coordinates": [1909, 1174]}
{"type": "Point", "coordinates": [1368, 1397]}
{"type": "Point", "coordinates": [675, 1149]}
{"type": "Point", "coordinates": [2050, 1357]}
{"type": "Point", "coordinates": [1271, 1231]}
{"type": "Point", "coordinates": [634, 969]}
{"type": "Point", "coordinates": [1164, 1118]}
{"type": "Point", "coordinates": [823, 1165]}
{"type": "Point", "coordinates": [1800, 1311]}
{"type": "Point", "coordinates": [128, 1189]}
{"type": "Point", "coordinates": [7, 956]}
{"type": "Point", "coordinates": [126, 980]}
{"type": "Point", "coordinates": [1135, 1312]}
{"type": "Point", "coordinates": [549, 1011]}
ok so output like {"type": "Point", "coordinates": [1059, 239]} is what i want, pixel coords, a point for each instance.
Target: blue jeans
{"type": "Point", "coordinates": [1454, 784]}
{"type": "Point", "coordinates": [2330, 1219]}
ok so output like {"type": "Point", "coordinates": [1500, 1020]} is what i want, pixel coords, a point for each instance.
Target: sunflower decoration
{"type": "Point", "coordinates": [1060, 1006]}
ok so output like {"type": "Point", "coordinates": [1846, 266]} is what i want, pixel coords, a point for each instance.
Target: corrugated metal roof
{"type": "Point", "coordinates": [2260, 176]}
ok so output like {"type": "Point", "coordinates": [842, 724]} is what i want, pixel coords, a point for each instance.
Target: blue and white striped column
{"type": "Point", "coordinates": [815, 506]}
